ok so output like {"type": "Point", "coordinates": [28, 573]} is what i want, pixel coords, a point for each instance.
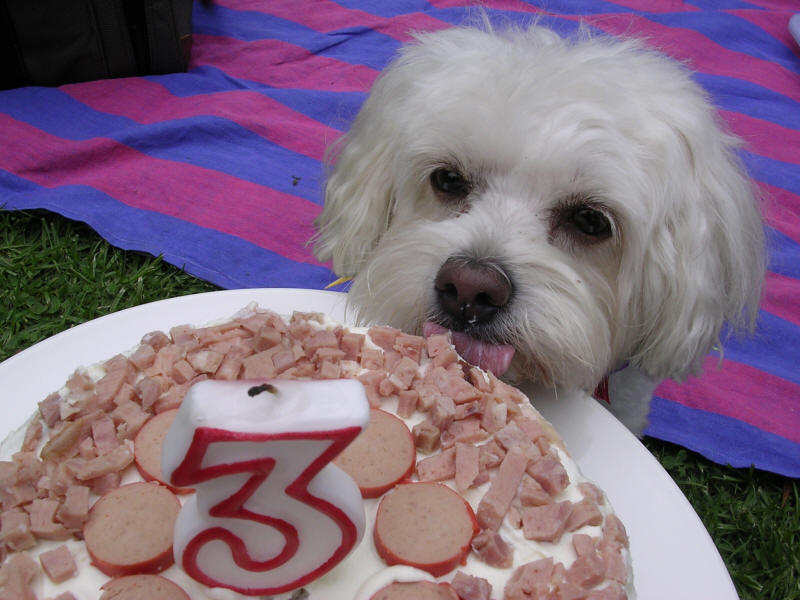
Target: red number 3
{"type": "Point", "coordinates": [270, 513]}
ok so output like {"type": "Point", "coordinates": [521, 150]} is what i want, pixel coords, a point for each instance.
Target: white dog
{"type": "Point", "coordinates": [565, 208]}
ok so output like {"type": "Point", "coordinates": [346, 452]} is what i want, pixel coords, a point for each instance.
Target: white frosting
{"type": "Point", "coordinates": [362, 572]}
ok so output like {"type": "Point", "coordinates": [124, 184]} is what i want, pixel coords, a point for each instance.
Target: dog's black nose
{"type": "Point", "coordinates": [471, 291]}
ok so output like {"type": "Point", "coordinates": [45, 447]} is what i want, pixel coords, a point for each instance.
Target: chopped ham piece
{"type": "Point", "coordinates": [531, 492]}
{"type": "Point", "coordinates": [33, 435]}
{"type": "Point", "coordinates": [467, 465]}
{"type": "Point", "coordinates": [443, 412]}
{"type": "Point", "coordinates": [545, 523]}
{"type": "Point", "coordinates": [438, 467]}
{"type": "Point", "coordinates": [181, 371]}
{"type": "Point", "coordinates": [58, 564]}
{"type": "Point", "coordinates": [266, 337]}
{"type": "Point", "coordinates": [371, 381]}
{"type": "Point", "coordinates": [351, 344]}
{"type": "Point", "coordinates": [15, 530]}
{"type": "Point", "coordinates": [104, 435]}
{"type": "Point", "coordinates": [469, 587]}
{"type": "Point", "coordinates": [491, 454]}
{"type": "Point", "coordinates": [495, 503]}
{"type": "Point", "coordinates": [479, 379]}
{"type": "Point", "coordinates": [403, 373]}
{"type": "Point", "coordinates": [42, 512]}
{"type": "Point", "coordinates": [614, 531]}
{"type": "Point", "coordinates": [129, 418]}
{"type": "Point", "coordinates": [530, 581]}
{"type": "Point", "coordinates": [371, 358]}
{"type": "Point", "coordinates": [494, 415]}
{"type": "Point", "coordinates": [184, 335]}
{"type": "Point", "coordinates": [532, 428]}
{"type": "Point", "coordinates": [49, 409]}
{"type": "Point", "coordinates": [156, 339]}
{"type": "Point", "coordinates": [590, 490]}
{"type": "Point", "coordinates": [587, 570]}
{"type": "Point", "coordinates": [550, 474]}
{"type": "Point", "coordinates": [204, 361]}
{"type": "Point", "coordinates": [113, 462]}
{"type": "Point", "coordinates": [407, 403]}
{"type": "Point", "coordinates": [74, 511]}
{"type": "Point", "coordinates": [616, 568]}
{"type": "Point", "coordinates": [409, 346]}
{"type": "Point", "coordinates": [383, 337]}
{"type": "Point", "coordinates": [511, 435]}
{"type": "Point", "coordinates": [583, 513]}
{"type": "Point", "coordinates": [143, 357]}
{"type": "Point", "coordinates": [492, 549]}
{"type": "Point", "coordinates": [465, 430]}
{"type": "Point", "coordinates": [260, 366]}
{"type": "Point", "coordinates": [325, 338]}
{"type": "Point", "coordinates": [17, 573]}
{"type": "Point", "coordinates": [426, 436]}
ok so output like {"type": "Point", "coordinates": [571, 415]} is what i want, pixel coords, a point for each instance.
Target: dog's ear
{"type": "Point", "coordinates": [358, 191]}
{"type": "Point", "coordinates": [702, 257]}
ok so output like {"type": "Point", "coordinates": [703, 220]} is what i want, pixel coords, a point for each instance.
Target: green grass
{"type": "Point", "coordinates": [57, 273]}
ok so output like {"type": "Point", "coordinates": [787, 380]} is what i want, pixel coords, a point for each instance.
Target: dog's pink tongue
{"type": "Point", "coordinates": [489, 357]}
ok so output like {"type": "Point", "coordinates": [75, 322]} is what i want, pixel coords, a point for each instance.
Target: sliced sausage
{"type": "Point", "coordinates": [147, 449]}
{"type": "Point", "coordinates": [137, 587]}
{"type": "Point", "coordinates": [129, 530]}
{"type": "Point", "coordinates": [425, 525]}
{"type": "Point", "coordinates": [415, 590]}
{"type": "Point", "coordinates": [381, 456]}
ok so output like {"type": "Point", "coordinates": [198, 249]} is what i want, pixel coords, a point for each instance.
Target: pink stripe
{"type": "Point", "coordinates": [701, 52]}
{"type": "Point", "coordinates": [765, 138]}
{"type": "Point", "coordinates": [781, 210]}
{"type": "Point", "coordinates": [775, 23]}
{"type": "Point", "coordinates": [328, 16]}
{"type": "Point", "coordinates": [146, 101]}
{"type": "Point", "coordinates": [280, 65]}
{"type": "Point", "coordinates": [189, 193]}
{"type": "Point", "coordinates": [781, 295]}
{"type": "Point", "coordinates": [742, 392]}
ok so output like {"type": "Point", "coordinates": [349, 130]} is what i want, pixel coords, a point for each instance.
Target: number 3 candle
{"type": "Point", "coordinates": [270, 513]}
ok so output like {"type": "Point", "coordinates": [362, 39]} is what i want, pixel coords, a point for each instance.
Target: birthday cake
{"type": "Point", "coordinates": [468, 493]}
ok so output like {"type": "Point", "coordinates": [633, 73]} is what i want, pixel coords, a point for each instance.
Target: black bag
{"type": "Point", "coordinates": [50, 42]}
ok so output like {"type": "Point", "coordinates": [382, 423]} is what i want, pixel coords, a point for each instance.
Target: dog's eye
{"type": "Point", "coordinates": [591, 222]}
{"type": "Point", "coordinates": [449, 184]}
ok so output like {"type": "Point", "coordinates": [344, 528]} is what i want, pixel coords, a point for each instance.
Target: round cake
{"type": "Point", "coordinates": [468, 493]}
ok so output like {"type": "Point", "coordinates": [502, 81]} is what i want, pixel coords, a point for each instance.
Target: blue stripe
{"type": "Point", "coordinates": [774, 172]}
{"type": "Point", "coordinates": [723, 439]}
{"type": "Point", "coordinates": [357, 45]}
{"type": "Point", "coordinates": [381, 8]}
{"type": "Point", "coordinates": [784, 253]}
{"type": "Point", "coordinates": [205, 141]}
{"type": "Point", "coordinates": [222, 259]}
{"type": "Point", "coordinates": [774, 347]}
{"type": "Point", "coordinates": [334, 109]}
{"type": "Point", "coordinates": [738, 95]}
{"type": "Point", "coordinates": [733, 33]}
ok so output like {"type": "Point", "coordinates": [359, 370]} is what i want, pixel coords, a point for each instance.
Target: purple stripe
{"type": "Point", "coordinates": [279, 64]}
{"type": "Point", "coordinates": [741, 392]}
{"type": "Point", "coordinates": [146, 101]}
{"type": "Point", "coordinates": [183, 191]}
{"type": "Point", "coordinates": [723, 439]}
{"type": "Point", "coordinates": [223, 259]}
{"type": "Point", "coordinates": [702, 53]}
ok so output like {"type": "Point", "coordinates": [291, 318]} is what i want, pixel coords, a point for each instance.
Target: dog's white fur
{"type": "Point", "coordinates": [533, 122]}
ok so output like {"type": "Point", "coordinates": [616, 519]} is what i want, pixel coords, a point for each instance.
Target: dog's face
{"type": "Point", "coordinates": [575, 202]}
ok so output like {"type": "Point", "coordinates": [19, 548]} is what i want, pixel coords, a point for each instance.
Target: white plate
{"type": "Point", "coordinates": [673, 555]}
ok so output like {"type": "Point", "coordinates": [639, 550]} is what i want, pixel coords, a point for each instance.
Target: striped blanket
{"type": "Point", "coordinates": [220, 169]}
